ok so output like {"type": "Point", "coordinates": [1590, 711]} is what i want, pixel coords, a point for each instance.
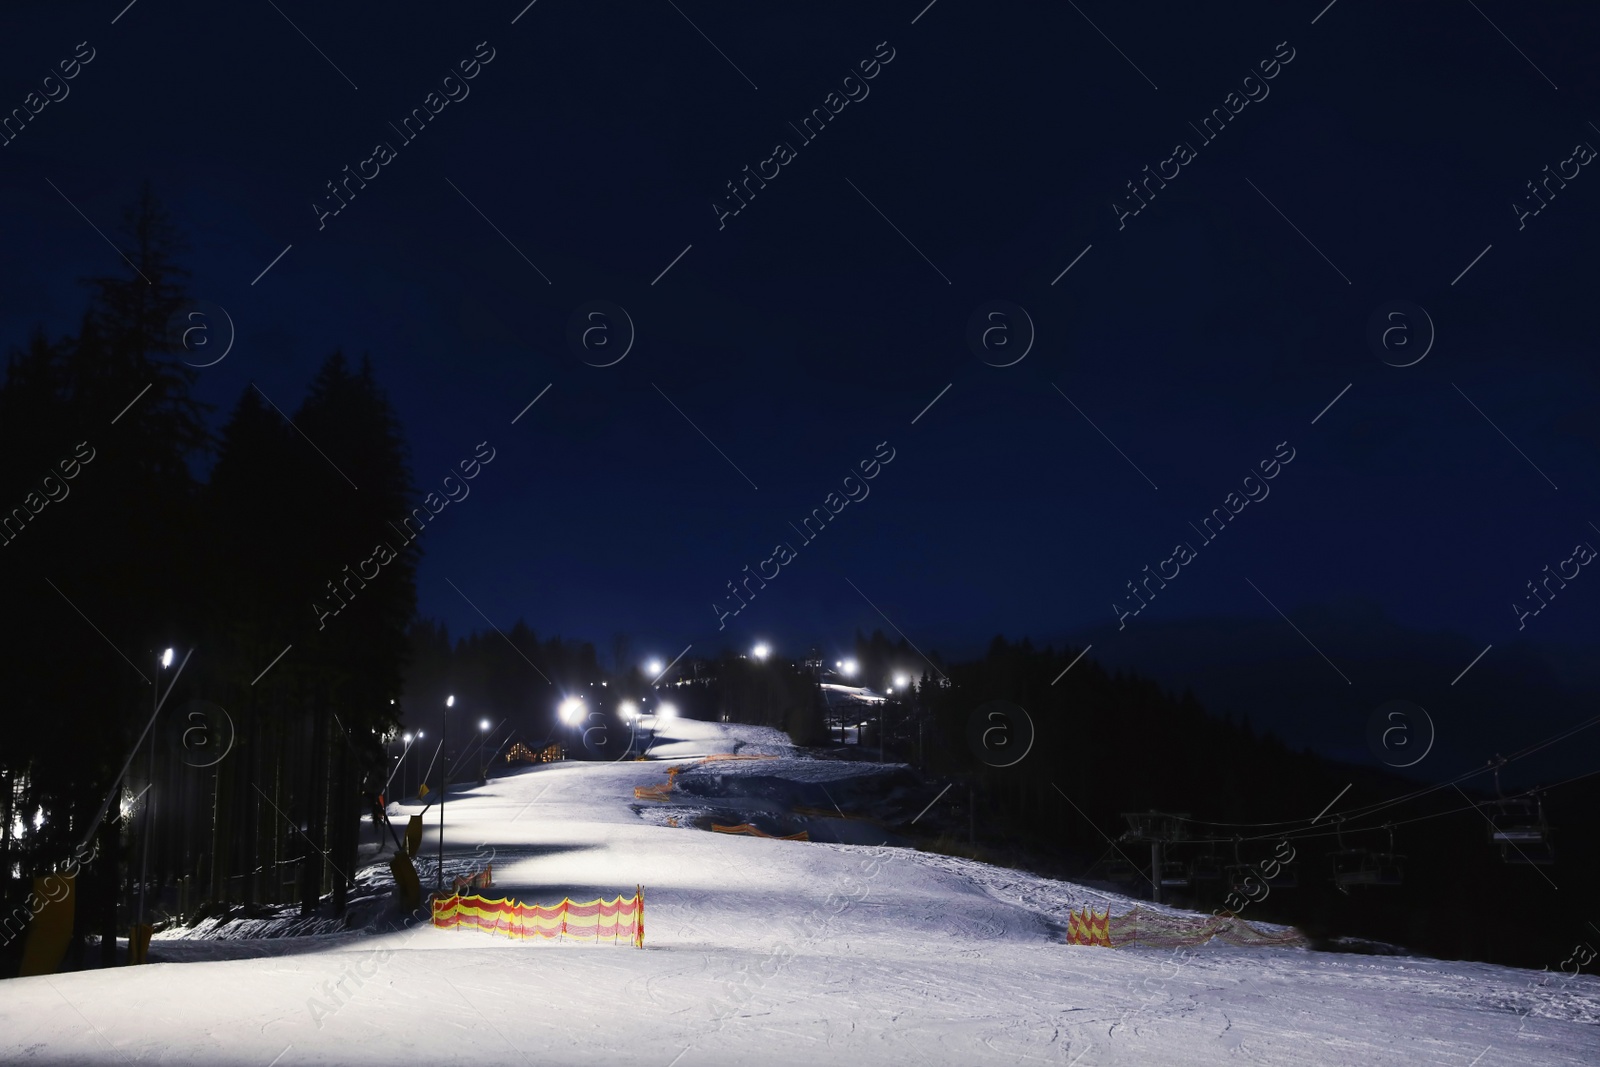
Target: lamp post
{"type": "Point", "coordinates": [163, 660]}
{"type": "Point", "coordinates": [569, 711]}
{"type": "Point", "coordinates": [483, 766]}
{"type": "Point", "coordinates": [444, 782]}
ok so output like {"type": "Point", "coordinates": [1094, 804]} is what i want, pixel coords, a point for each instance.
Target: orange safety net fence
{"type": "Point", "coordinates": [750, 831]}
{"type": "Point", "coordinates": [664, 790]}
{"type": "Point", "coordinates": [1155, 929]}
{"type": "Point", "coordinates": [597, 920]}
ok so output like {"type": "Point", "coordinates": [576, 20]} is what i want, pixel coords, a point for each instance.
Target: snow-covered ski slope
{"type": "Point", "coordinates": [773, 952]}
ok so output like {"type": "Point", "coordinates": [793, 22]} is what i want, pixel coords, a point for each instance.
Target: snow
{"type": "Point", "coordinates": [770, 952]}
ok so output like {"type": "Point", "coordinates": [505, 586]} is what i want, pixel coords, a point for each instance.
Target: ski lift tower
{"type": "Point", "coordinates": [1159, 829]}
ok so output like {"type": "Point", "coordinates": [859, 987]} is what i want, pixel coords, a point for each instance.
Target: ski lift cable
{"type": "Point", "coordinates": [1499, 761]}
{"type": "Point", "coordinates": [1306, 836]}
{"type": "Point", "coordinates": [1351, 814]}
{"type": "Point", "coordinates": [1493, 765]}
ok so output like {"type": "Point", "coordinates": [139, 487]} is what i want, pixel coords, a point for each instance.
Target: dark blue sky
{"type": "Point", "coordinates": [823, 318]}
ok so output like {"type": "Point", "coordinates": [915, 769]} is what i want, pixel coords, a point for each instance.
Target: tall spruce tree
{"type": "Point", "coordinates": [111, 545]}
{"type": "Point", "coordinates": [361, 596]}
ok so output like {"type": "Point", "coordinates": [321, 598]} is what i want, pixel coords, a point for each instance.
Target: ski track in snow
{"type": "Point", "coordinates": [769, 952]}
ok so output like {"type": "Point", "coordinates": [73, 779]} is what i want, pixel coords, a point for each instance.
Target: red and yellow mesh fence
{"type": "Point", "coordinates": [750, 831]}
{"type": "Point", "coordinates": [1088, 928]}
{"type": "Point", "coordinates": [1155, 929]}
{"type": "Point", "coordinates": [662, 791]}
{"type": "Point", "coordinates": [618, 920]}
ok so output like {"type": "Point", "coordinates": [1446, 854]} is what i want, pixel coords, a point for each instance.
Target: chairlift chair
{"type": "Point", "coordinates": [1518, 826]}
{"type": "Point", "coordinates": [1391, 869]}
{"type": "Point", "coordinates": [1238, 875]}
{"type": "Point", "coordinates": [1540, 853]}
{"type": "Point", "coordinates": [1360, 866]}
{"type": "Point", "coordinates": [1518, 821]}
{"type": "Point", "coordinates": [1353, 866]}
{"type": "Point", "coordinates": [1206, 869]}
{"type": "Point", "coordinates": [1175, 874]}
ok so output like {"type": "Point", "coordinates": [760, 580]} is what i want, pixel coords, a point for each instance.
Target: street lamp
{"type": "Point", "coordinates": [483, 767]}
{"type": "Point", "coordinates": [419, 738]}
{"type": "Point", "coordinates": [163, 661]}
{"type": "Point", "coordinates": [655, 668]}
{"type": "Point", "coordinates": [666, 711]}
{"type": "Point", "coordinates": [444, 784]}
{"type": "Point", "coordinates": [901, 681]}
{"type": "Point", "coordinates": [761, 651]}
{"type": "Point", "coordinates": [849, 666]}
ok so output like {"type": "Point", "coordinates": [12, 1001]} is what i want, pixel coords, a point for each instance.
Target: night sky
{"type": "Point", "coordinates": [1380, 154]}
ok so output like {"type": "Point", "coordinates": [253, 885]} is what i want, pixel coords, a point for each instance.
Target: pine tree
{"type": "Point", "coordinates": [358, 493]}
{"type": "Point", "coordinates": [116, 548]}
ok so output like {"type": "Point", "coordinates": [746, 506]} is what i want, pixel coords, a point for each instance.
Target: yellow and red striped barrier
{"type": "Point", "coordinates": [1088, 928]}
{"type": "Point", "coordinates": [750, 831]}
{"type": "Point", "coordinates": [1154, 929]}
{"type": "Point", "coordinates": [1142, 926]}
{"type": "Point", "coordinates": [596, 920]}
